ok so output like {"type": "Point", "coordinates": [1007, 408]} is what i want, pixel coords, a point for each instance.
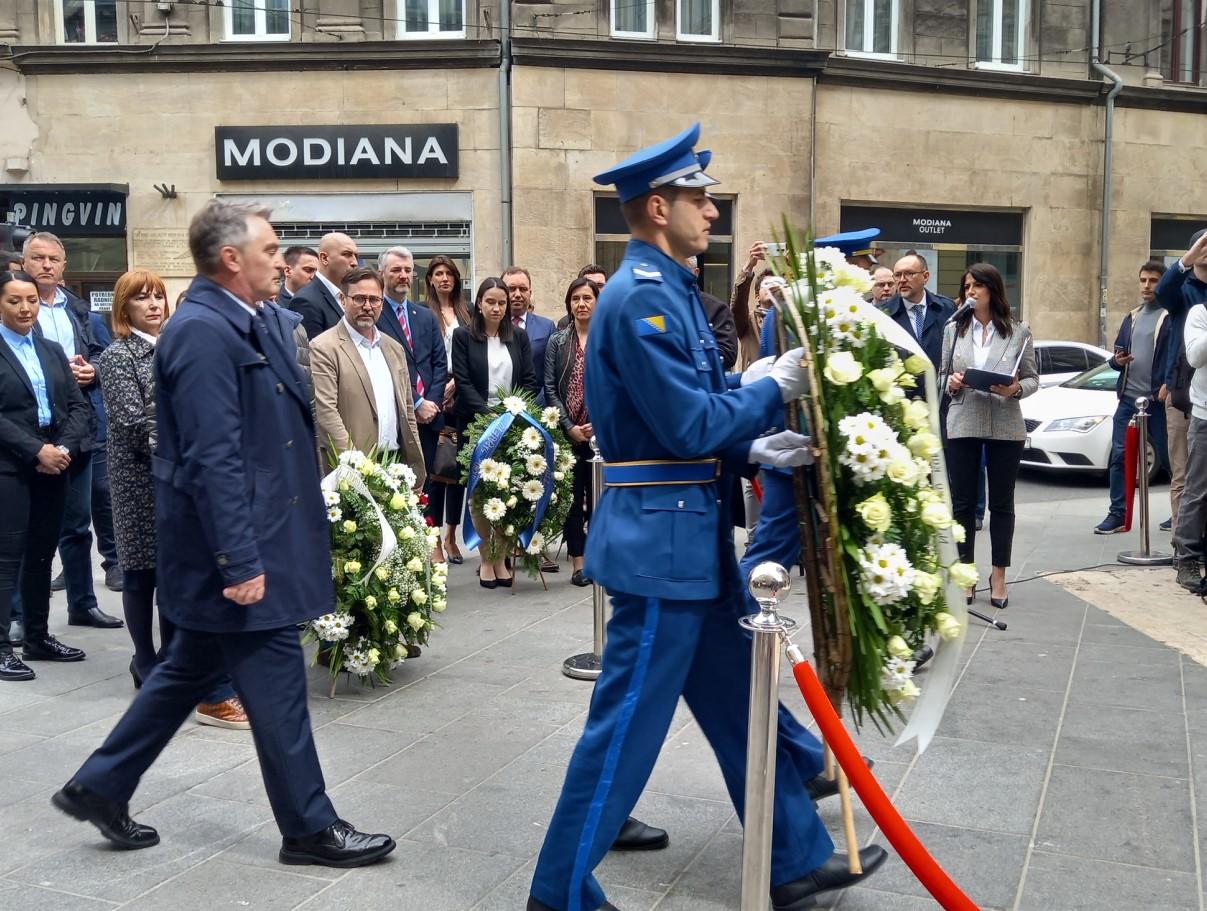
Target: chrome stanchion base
{"type": "Point", "coordinates": [1139, 558]}
{"type": "Point", "coordinates": [586, 666]}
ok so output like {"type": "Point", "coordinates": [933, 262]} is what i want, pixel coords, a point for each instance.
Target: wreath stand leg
{"type": "Point", "coordinates": [334, 684]}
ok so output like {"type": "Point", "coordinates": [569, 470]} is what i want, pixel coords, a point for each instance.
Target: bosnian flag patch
{"type": "Point", "coordinates": [651, 325]}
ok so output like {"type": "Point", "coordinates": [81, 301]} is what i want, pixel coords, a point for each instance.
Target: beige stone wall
{"type": "Point", "coordinates": [572, 124]}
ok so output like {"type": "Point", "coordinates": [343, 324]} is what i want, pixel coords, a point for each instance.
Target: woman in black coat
{"type": "Point", "coordinates": [490, 358]}
{"type": "Point", "coordinates": [565, 390]}
{"type": "Point", "coordinates": [45, 421]}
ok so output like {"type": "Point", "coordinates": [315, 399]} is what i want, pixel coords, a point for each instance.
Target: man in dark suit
{"type": "Point", "coordinates": [318, 301]}
{"type": "Point", "coordinates": [415, 328]}
{"type": "Point", "coordinates": [519, 295]}
{"type": "Point", "coordinates": [243, 549]}
{"type": "Point", "coordinates": [920, 312]}
{"type": "Point", "coordinates": [301, 265]}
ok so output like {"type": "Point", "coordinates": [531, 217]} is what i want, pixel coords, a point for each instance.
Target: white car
{"type": "Point", "coordinates": [1060, 361]}
{"type": "Point", "coordinates": [1069, 426]}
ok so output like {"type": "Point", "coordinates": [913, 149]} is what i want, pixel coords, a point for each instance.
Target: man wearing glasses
{"type": "Point", "coordinates": [920, 312]}
{"type": "Point", "coordinates": [346, 362]}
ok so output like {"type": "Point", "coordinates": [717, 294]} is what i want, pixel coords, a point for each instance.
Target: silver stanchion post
{"type": "Point", "coordinates": [588, 665]}
{"type": "Point", "coordinates": [1144, 556]}
{"type": "Point", "coordinates": [768, 581]}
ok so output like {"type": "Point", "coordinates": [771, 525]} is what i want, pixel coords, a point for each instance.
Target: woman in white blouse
{"type": "Point", "coordinates": [490, 357]}
{"type": "Point", "coordinates": [987, 338]}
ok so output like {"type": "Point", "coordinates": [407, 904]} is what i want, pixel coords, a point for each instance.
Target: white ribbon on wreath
{"type": "Point", "coordinates": [356, 481]}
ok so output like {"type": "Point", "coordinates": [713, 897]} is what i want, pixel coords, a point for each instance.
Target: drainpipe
{"type": "Point", "coordinates": [505, 133]}
{"type": "Point", "coordinates": [1104, 238]}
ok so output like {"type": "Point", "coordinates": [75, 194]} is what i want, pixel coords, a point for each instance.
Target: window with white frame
{"type": "Point", "coordinates": [1001, 27]}
{"type": "Point", "coordinates": [698, 20]}
{"type": "Point", "coordinates": [257, 20]}
{"type": "Point", "coordinates": [430, 19]}
{"type": "Point", "coordinates": [632, 18]}
{"type": "Point", "coordinates": [87, 21]}
{"type": "Point", "coordinates": [872, 27]}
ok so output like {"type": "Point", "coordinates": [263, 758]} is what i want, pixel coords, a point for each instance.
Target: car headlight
{"type": "Point", "coordinates": [1077, 425]}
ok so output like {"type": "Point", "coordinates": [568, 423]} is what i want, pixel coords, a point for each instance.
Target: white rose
{"type": "Point", "coordinates": [842, 369]}
{"type": "Point", "coordinates": [936, 514]}
{"type": "Point", "coordinates": [898, 648]}
{"type": "Point", "coordinates": [947, 626]}
{"type": "Point", "coordinates": [963, 574]}
{"type": "Point", "coordinates": [924, 444]}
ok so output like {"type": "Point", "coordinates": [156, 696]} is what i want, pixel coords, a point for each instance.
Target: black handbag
{"type": "Point", "coordinates": [445, 467]}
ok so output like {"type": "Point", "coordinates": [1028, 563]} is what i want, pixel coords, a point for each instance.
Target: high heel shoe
{"type": "Point", "coordinates": [134, 674]}
{"type": "Point", "coordinates": [970, 597]}
{"type": "Point", "coordinates": [1000, 603]}
{"type": "Point", "coordinates": [489, 583]}
{"type": "Point", "coordinates": [505, 583]}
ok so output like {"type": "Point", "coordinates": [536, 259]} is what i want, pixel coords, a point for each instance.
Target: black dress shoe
{"type": "Point", "coordinates": [137, 677]}
{"type": "Point", "coordinates": [13, 668]}
{"type": "Point", "coordinates": [114, 578]}
{"type": "Point", "coordinates": [109, 816]}
{"type": "Point", "coordinates": [579, 579]}
{"type": "Point", "coordinates": [534, 905]}
{"type": "Point", "coordinates": [338, 845]}
{"type": "Point", "coordinates": [922, 657]}
{"type": "Point", "coordinates": [94, 616]}
{"type": "Point", "coordinates": [820, 788]}
{"type": "Point", "coordinates": [48, 648]}
{"type": "Point", "coordinates": [58, 583]}
{"type": "Point", "coordinates": [833, 874]}
{"type": "Point", "coordinates": [637, 836]}
{"type": "Point", "coordinates": [16, 633]}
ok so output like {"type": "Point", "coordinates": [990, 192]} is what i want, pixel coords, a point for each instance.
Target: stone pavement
{"type": "Point", "coordinates": [1065, 776]}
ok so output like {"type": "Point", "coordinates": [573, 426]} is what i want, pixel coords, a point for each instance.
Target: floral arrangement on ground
{"type": "Point", "coordinates": [519, 464]}
{"type": "Point", "coordinates": [892, 520]}
{"type": "Point", "coordinates": [386, 586]}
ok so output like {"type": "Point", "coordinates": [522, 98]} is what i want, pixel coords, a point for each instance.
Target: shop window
{"type": "Point", "coordinates": [872, 27]}
{"type": "Point", "coordinates": [698, 20]}
{"type": "Point", "coordinates": [1181, 40]}
{"type": "Point", "coordinates": [430, 19]}
{"type": "Point", "coordinates": [635, 18]}
{"type": "Point", "coordinates": [257, 20]}
{"type": "Point", "coordinates": [716, 263]}
{"type": "Point", "coordinates": [1001, 27]}
{"type": "Point", "coordinates": [87, 21]}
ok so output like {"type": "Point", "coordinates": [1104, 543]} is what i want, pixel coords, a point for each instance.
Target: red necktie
{"type": "Point", "coordinates": [406, 331]}
{"type": "Point", "coordinates": [517, 320]}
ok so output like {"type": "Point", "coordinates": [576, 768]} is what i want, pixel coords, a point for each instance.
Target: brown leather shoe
{"type": "Point", "coordinates": [226, 714]}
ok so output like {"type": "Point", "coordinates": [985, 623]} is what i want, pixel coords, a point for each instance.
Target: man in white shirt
{"type": "Point", "coordinates": [362, 390]}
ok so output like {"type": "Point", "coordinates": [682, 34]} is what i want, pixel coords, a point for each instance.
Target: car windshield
{"type": "Point", "coordinates": [1104, 378]}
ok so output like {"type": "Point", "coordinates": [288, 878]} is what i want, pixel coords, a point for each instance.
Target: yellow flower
{"type": "Point", "coordinates": [898, 648]}
{"type": "Point", "coordinates": [343, 486]}
{"type": "Point", "coordinates": [876, 513]}
{"type": "Point", "coordinates": [926, 585]}
{"type": "Point", "coordinates": [415, 565]}
{"type": "Point", "coordinates": [917, 414]}
{"type": "Point", "coordinates": [936, 514]}
{"type": "Point", "coordinates": [948, 626]}
{"type": "Point", "coordinates": [883, 379]}
{"type": "Point", "coordinates": [370, 602]}
{"type": "Point", "coordinates": [419, 596]}
{"type": "Point", "coordinates": [958, 533]}
{"type": "Point", "coordinates": [924, 444]}
{"type": "Point", "coordinates": [393, 597]}
{"type": "Point", "coordinates": [842, 369]}
{"type": "Point", "coordinates": [963, 574]}
{"type": "Point", "coordinates": [349, 526]}
{"type": "Point", "coordinates": [894, 396]}
{"type": "Point", "coordinates": [916, 364]}
{"type": "Point", "coordinates": [415, 621]}
{"type": "Point", "coordinates": [368, 469]}
{"type": "Point", "coordinates": [352, 567]}
{"type": "Point", "coordinates": [398, 501]}
{"type": "Point", "coordinates": [374, 656]}
{"type": "Point", "coordinates": [407, 533]}
{"type": "Point", "coordinates": [439, 605]}
{"type": "Point", "coordinates": [391, 627]}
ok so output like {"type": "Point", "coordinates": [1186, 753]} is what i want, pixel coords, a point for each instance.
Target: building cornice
{"type": "Point", "coordinates": [1187, 99]}
{"type": "Point", "coordinates": [265, 56]}
{"type": "Point", "coordinates": [659, 57]}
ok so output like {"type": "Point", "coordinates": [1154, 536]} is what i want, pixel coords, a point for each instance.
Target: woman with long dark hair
{"type": "Point", "coordinates": [444, 298]}
{"type": "Point", "coordinates": [490, 357]}
{"type": "Point", "coordinates": [565, 389]}
{"type": "Point", "coordinates": [988, 338]}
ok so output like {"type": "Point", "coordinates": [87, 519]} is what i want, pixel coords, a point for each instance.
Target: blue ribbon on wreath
{"type": "Point", "coordinates": [485, 448]}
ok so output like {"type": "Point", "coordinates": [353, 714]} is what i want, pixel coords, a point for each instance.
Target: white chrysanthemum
{"type": "Point", "coordinates": [896, 673]}
{"type": "Point", "coordinates": [532, 491]}
{"type": "Point", "coordinates": [357, 659]}
{"type": "Point", "coordinates": [504, 472]}
{"type": "Point", "coordinates": [550, 417]}
{"type": "Point", "coordinates": [537, 544]}
{"type": "Point", "coordinates": [488, 470]}
{"type": "Point", "coordinates": [334, 514]}
{"type": "Point", "coordinates": [886, 573]}
{"type": "Point", "coordinates": [536, 465]}
{"type": "Point", "coordinates": [331, 498]}
{"type": "Point", "coordinates": [532, 439]}
{"type": "Point", "coordinates": [405, 476]}
{"type": "Point", "coordinates": [828, 258]}
{"type": "Point", "coordinates": [515, 404]}
{"type": "Point", "coordinates": [494, 509]}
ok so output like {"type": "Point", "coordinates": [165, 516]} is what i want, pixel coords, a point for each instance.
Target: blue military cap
{"type": "Point", "coordinates": [853, 243]}
{"type": "Point", "coordinates": [669, 163]}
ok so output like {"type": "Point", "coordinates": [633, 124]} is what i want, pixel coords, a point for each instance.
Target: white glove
{"type": "Point", "coordinates": [785, 449]}
{"type": "Point", "coordinates": [757, 370]}
{"type": "Point", "coordinates": [790, 375]}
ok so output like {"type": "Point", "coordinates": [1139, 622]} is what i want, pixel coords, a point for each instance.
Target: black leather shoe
{"type": "Point", "coordinates": [922, 657]}
{"type": "Point", "coordinates": [94, 616]}
{"type": "Point", "coordinates": [48, 648]}
{"type": "Point", "coordinates": [820, 788]}
{"type": "Point", "coordinates": [534, 905]}
{"type": "Point", "coordinates": [58, 583]}
{"type": "Point", "coordinates": [637, 836]}
{"type": "Point", "coordinates": [13, 668]}
{"type": "Point", "coordinates": [833, 874]}
{"type": "Point", "coordinates": [16, 633]}
{"type": "Point", "coordinates": [579, 579]}
{"type": "Point", "coordinates": [109, 816]}
{"type": "Point", "coordinates": [338, 845]}
{"type": "Point", "coordinates": [114, 578]}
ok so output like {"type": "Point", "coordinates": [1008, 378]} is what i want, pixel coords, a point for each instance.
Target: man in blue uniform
{"type": "Point", "coordinates": [243, 550]}
{"type": "Point", "coordinates": [673, 429]}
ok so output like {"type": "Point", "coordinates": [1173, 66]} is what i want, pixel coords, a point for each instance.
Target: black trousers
{"type": "Point", "coordinates": [30, 517]}
{"type": "Point", "coordinates": [1002, 458]}
{"type": "Point", "coordinates": [574, 530]}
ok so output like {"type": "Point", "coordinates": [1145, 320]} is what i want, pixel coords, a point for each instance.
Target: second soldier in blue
{"type": "Point", "coordinates": [671, 427]}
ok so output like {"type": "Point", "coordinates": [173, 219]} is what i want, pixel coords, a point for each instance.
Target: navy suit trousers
{"type": "Point", "coordinates": [268, 670]}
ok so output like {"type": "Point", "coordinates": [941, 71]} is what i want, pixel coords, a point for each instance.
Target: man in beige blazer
{"type": "Point", "coordinates": [362, 390]}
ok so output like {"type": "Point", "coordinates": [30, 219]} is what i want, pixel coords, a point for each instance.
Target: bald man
{"type": "Point", "coordinates": [318, 302]}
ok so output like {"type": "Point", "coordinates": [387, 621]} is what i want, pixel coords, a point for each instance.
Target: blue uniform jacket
{"type": "Point", "coordinates": [235, 488]}
{"type": "Point", "coordinates": [657, 390]}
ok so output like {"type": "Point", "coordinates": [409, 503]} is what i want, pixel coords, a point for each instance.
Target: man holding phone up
{"type": "Point", "coordinates": [1140, 357]}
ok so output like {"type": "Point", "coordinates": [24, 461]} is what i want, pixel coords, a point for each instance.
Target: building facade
{"type": "Point", "coordinates": [966, 129]}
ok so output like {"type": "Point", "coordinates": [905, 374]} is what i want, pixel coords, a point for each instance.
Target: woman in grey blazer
{"type": "Point", "coordinates": [986, 337]}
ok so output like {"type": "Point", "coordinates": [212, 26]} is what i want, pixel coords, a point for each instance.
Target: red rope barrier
{"type": "Point", "coordinates": [895, 828]}
{"type": "Point", "coordinates": [1131, 459]}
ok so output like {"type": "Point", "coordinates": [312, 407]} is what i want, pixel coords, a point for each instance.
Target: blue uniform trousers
{"type": "Point", "coordinates": [777, 538]}
{"type": "Point", "coordinates": [657, 650]}
{"type": "Point", "coordinates": [269, 672]}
